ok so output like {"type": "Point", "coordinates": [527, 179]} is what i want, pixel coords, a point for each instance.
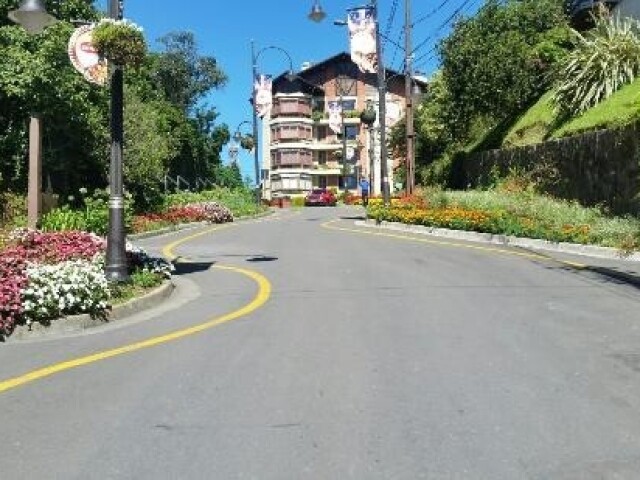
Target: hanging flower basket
{"type": "Point", "coordinates": [120, 41]}
{"type": "Point", "coordinates": [247, 142]}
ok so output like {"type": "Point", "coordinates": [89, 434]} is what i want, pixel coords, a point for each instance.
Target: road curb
{"type": "Point", "coordinates": [526, 243]}
{"type": "Point", "coordinates": [188, 226]}
{"type": "Point", "coordinates": [76, 323]}
{"type": "Point", "coordinates": [530, 243]}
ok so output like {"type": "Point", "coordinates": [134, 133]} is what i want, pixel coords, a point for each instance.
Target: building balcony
{"type": "Point", "coordinates": [298, 107]}
{"type": "Point", "coordinates": [291, 133]}
{"type": "Point", "coordinates": [291, 158]}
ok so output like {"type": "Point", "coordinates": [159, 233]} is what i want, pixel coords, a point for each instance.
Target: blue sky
{"type": "Point", "coordinates": [224, 30]}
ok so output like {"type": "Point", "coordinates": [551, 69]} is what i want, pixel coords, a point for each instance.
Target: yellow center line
{"type": "Point", "coordinates": [330, 225]}
{"type": "Point", "coordinates": [263, 294]}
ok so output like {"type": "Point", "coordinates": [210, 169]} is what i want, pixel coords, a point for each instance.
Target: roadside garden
{"type": "Point", "coordinates": [58, 270]}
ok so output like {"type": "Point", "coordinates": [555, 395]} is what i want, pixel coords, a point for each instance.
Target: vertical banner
{"type": "Point", "coordinates": [362, 37]}
{"type": "Point", "coordinates": [262, 88]}
{"type": "Point", "coordinates": [335, 116]}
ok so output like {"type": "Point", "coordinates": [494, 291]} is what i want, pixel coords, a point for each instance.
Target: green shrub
{"type": "Point", "coordinates": [241, 201]}
{"type": "Point", "coordinates": [297, 202]}
{"type": "Point", "coordinates": [605, 58]}
{"type": "Point", "coordinates": [92, 214]}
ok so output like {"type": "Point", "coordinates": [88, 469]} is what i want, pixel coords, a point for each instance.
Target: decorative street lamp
{"type": "Point", "coordinates": [380, 71]}
{"type": "Point", "coordinates": [254, 63]}
{"type": "Point", "coordinates": [116, 267]}
{"type": "Point", "coordinates": [34, 18]}
{"type": "Point", "coordinates": [317, 14]}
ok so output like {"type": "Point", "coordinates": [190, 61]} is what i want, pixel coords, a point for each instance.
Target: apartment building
{"type": "Point", "coordinates": [299, 149]}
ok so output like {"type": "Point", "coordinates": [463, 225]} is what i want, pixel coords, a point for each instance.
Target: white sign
{"type": "Point", "coordinates": [84, 57]}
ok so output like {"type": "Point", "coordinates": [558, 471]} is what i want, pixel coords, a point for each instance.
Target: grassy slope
{"type": "Point", "coordinates": [539, 122]}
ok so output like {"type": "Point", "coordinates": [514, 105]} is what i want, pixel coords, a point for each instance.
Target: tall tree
{"type": "Point", "coordinates": [499, 61]}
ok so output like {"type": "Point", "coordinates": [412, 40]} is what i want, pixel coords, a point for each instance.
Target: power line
{"type": "Point", "coordinates": [455, 13]}
{"type": "Point", "coordinates": [431, 13]}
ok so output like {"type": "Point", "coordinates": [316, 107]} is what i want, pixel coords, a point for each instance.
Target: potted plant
{"type": "Point", "coordinates": [120, 41]}
{"type": "Point", "coordinates": [247, 142]}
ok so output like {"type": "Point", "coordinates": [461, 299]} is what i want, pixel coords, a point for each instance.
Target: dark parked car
{"type": "Point", "coordinates": [320, 196]}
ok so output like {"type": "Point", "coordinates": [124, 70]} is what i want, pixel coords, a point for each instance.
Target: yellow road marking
{"type": "Point", "coordinates": [167, 251]}
{"type": "Point", "coordinates": [264, 292]}
{"type": "Point", "coordinates": [329, 225]}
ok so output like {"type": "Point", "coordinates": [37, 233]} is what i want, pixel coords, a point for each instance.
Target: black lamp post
{"type": "Point", "coordinates": [254, 63]}
{"type": "Point", "coordinates": [116, 267]}
{"type": "Point", "coordinates": [381, 97]}
{"type": "Point", "coordinates": [34, 17]}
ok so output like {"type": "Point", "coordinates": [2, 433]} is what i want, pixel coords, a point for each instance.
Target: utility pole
{"type": "Point", "coordinates": [382, 98]}
{"type": "Point", "coordinates": [408, 91]}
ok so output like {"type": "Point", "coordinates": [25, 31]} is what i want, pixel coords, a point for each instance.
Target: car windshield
{"type": "Point", "coordinates": [317, 191]}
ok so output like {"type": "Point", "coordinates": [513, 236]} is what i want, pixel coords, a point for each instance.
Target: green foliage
{"type": "Point", "coordinates": [228, 176]}
{"type": "Point", "coordinates": [145, 279]}
{"type": "Point", "coordinates": [297, 202]}
{"type": "Point", "coordinates": [181, 74]}
{"type": "Point", "coordinates": [148, 158]}
{"type": "Point", "coordinates": [89, 213]}
{"type": "Point", "coordinates": [621, 108]}
{"type": "Point", "coordinates": [241, 201]}
{"type": "Point", "coordinates": [605, 58]}
{"type": "Point", "coordinates": [498, 61]}
{"type": "Point", "coordinates": [120, 41]}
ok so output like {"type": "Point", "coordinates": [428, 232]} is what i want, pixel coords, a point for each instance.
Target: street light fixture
{"type": "Point", "coordinates": [317, 14]}
{"type": "Point", "coordinates": [32, 16]}
{"type": "Point", "coordinates": [290, 75]}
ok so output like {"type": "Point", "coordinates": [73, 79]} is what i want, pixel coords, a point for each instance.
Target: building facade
{"type": "Point", "coordinates": [299, 149]}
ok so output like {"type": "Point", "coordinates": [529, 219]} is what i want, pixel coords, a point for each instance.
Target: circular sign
{"type": "Point", "coordinates": [84, 57]}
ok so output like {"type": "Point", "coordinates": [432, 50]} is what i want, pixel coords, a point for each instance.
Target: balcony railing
{"type": "Point", "coordinates": [292, 159]}
{"type": "Point", "coordinates": [291, 108]}
{"type": "Point", "coordinates": [291, 133]}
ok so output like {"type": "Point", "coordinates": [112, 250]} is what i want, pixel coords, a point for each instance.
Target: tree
{"type": "Point", "coordinates": [181, 74]}
{"type": "Point", "coordinates": [36, 76]}
{"type": "Point", "coordinates": [499, 61]}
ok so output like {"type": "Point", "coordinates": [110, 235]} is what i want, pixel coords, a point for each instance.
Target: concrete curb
{"type": "Point", "coordinates": [526, 243]}
{"type": "Point", "coordinates": [76, 323]}
{"type": "Point", "coordinates": [530, 243]}
{"type": "Point", "coordinates": [188, 226]}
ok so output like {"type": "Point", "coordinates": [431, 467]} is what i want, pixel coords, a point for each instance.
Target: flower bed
{"type": "Point", "coordinates": [194, 212]}
{"type": "Point", "coordinates": [44, 275]}
{"type": "Point", "coordinates": [524, 218]}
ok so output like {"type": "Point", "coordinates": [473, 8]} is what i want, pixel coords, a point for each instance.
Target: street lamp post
{"type": "Point", "coordinates": [116, 257]}
{"type": "Point", "coordinates": [380, 71]}
{"type": "Point", "coordinates": [254, 70]}
{"type": "Point", "coordinates": [34, 18]}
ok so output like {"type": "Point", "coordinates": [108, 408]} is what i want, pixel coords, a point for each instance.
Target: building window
{"type": "Point", "coordinates": [322, 181]}
{"type": "Point", "coordinates": [322, 158]}
{"type": "Point", "coordinates": [348, 104]}
{"type": "Point", "coordinates": [351, 131]}
{"type": "Point", "coordinates": [321, 133]}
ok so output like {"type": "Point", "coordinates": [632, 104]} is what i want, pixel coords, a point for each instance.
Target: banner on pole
{"type": "Point", "coordinates": [262, 88]}
{"type": "Point", "coordinates": [85, 58]}
{"type": "Point", "coordinates": [362, 37]}
{"type": "Point", "coordinates": [335, 116]}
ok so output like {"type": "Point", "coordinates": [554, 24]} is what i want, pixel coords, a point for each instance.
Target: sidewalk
{"type": "Point", "coordinates": [600, 260]}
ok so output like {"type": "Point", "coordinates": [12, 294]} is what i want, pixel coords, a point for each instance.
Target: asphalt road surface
{"type": "Point", "coordinates": [309, 347]}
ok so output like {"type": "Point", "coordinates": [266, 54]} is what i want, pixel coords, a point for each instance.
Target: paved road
{"type": "Point", "coordinates": [374, 357]}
